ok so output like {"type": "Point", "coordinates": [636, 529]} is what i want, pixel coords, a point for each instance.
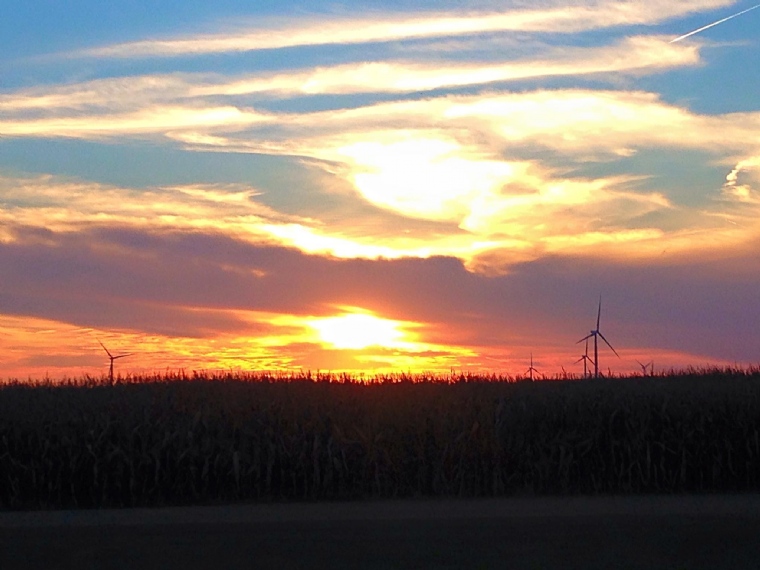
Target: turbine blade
{"type": "Point", "coordinates": [608, 344]}
{"type": "Point", "coordinates": [123, 355]}
{"type": "Point", "coordinates": [104, 348]}
{"type": "Point", "coordinates": [588, 336]}
{"type": "Point", "coordinates": [599, 313]}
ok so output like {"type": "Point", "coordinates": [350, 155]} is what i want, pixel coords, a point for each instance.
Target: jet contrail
{"type": "Point", "coordinates": [703, 28]}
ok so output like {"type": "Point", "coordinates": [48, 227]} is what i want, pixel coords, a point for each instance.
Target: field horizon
{"type": "Point", "coordinates": [364, 377]}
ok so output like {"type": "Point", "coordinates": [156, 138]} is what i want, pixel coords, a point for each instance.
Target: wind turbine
{"type": "Point", "coordinates": [112, 357]}
{"type": "Point", "coordinates": [596, 333]}
{"type": "Point", "coordinates": [585, 358]}
{"type": "Point", "coordinates": [531, 370]}
{"type": "Point", "coordinates": [644, 367]}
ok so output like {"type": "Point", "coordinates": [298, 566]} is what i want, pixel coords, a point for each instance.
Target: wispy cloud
{"type": "Point", "coordinates": [634, 55]}
{"type": "Point", "coordinates": [151, 120]}
{"type": "Point", "coordinates": [386, 27]}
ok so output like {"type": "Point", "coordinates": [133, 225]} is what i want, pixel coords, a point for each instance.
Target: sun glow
{"type": "Point", "coordinates": [422, 177]}
{"type": "Point", "coordinates": [358, 330]}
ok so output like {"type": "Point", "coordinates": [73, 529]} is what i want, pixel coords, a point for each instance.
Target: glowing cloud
{"type": "Point", "coordinates": [388, 27]}
{"type": "Point", "coordinates": [428, 178]}
{"type": "Point", "coordinates": [742, 191]}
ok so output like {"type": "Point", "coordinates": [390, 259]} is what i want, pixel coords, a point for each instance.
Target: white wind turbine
{"type": "Point", "coordinates": [596, 334]}
{"type": "Point", "coordinates": [112, 357]}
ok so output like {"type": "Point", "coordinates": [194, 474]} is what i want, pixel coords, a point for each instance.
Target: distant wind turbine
{"type": "Point", "coordinates": [585, 358]}
{"type": "Point", "coordinates": [708, 26]}
{"type": "Point", "coordinates": [112, 357]}
{"type": "Point", "coordinates": [531, 370]}
{"type": "Point", "coordinates": [596, 334]}
{"type": "Point", "coordinates": [644, 367]}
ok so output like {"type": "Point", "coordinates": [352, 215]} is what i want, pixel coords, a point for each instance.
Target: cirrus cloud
{"type": "Point", "coordinates": [554, 17]}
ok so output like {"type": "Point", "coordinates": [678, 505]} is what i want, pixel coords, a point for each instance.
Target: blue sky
{"type": "Point", "coordinates": [237, 185]}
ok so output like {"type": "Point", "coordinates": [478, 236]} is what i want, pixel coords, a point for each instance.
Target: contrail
{"type": "Point", "coordinates": [703, 28]}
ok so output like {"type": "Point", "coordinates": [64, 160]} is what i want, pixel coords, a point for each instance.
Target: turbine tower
{"type": "Point", "coordinates": [112, 357]}
{"type": "Point", "coordinates": [596, 334]}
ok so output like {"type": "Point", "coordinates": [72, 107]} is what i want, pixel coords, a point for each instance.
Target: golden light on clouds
{"type": "Point", "coordinates": [455, 160]}
{"type": "Point", "coordinates": [421, 177]}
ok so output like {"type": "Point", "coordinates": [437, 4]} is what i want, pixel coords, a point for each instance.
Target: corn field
{"type": "Point", "coordinates": [203, 439]}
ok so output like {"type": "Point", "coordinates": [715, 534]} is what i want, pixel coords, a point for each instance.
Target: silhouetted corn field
{"type": "Point", "coordinates": [171, 439]}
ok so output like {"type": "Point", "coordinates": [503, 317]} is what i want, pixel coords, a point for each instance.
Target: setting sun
{"type": "Point", "coordinates": [356, 331]}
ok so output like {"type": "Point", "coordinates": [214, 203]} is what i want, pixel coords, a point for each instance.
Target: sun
{"type": "Point", "coordinates": [356, 331]}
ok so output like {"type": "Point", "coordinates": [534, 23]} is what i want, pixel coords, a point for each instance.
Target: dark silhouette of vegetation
{"type": "Point", "coordinates": [202, 438]}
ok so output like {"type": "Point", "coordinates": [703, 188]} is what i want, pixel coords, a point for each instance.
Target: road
{"type": "Point", "coordinates": [679, 533]}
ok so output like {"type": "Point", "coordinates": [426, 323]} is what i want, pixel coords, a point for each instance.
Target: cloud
{"type": "Point", "coordinates": [474, 176]}
{"type": "Point", "coordinates": [111, 93]}
{"type": "Point", "coordinates": [150, 103]}
{"type": "Point", "coordinates": [152, 120]}
{"type": "Point", "coordinates": [389, 27]}
{"type": "Point", "coordinates": [489, 229]}
{"type": "Point", "coordinates": [580, 123]}
{"type": "Point", "coordinates": [637, 55]}
{"type": "Point", "coordinates": [458, 159]}
{"type": "Point", "coordinates": [195, 300]}
{"type": "Point", "coordinates": [181, 300]}
{"type": "Point", "coordinates": [574, 121]}
{"type": "Point", "coordinates": [63, 204]}
{"type": "Point", "coordinates": [469, 165]}
{"type": "Point", "coordinates": [738, 186]}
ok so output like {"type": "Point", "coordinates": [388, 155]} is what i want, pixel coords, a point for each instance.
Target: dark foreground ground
{"type": "Point", "coordinates": [712, 532]}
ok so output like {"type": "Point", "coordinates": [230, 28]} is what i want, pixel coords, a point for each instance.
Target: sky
{"type": "Point", "coordinates": [378, 186]}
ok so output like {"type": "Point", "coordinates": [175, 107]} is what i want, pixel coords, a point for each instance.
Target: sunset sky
{"type": "Point", "coordinates": [373, 186]}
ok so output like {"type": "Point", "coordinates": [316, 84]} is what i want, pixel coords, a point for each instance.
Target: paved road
{"type": "Point", "coordinates": [676, 533]}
